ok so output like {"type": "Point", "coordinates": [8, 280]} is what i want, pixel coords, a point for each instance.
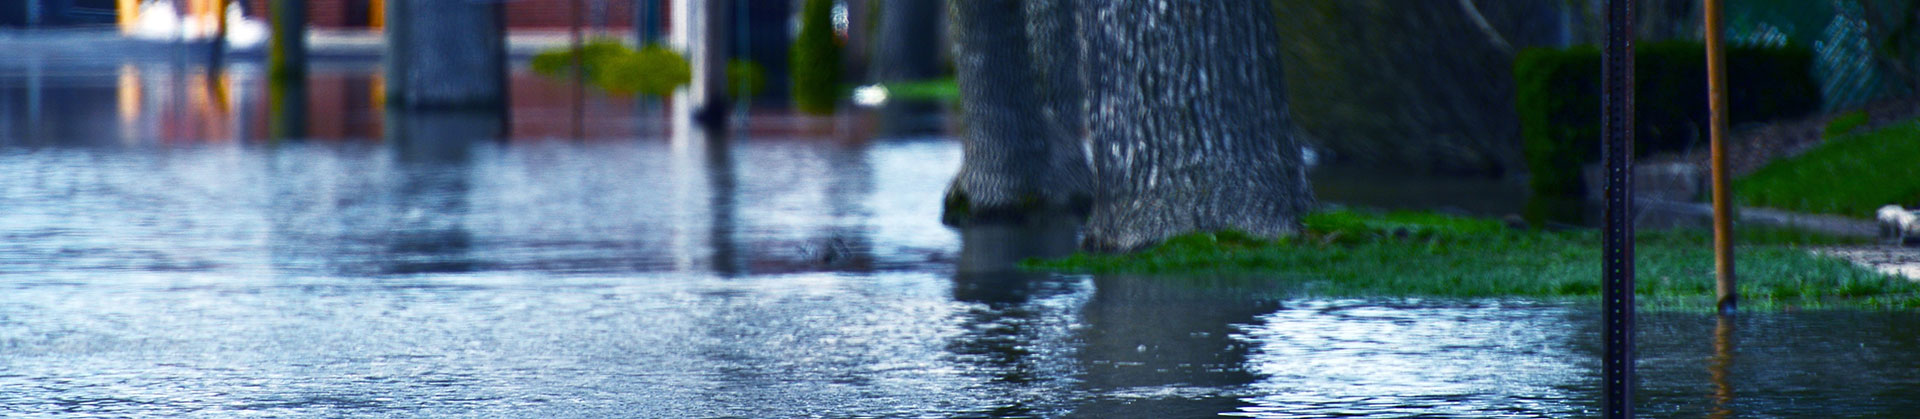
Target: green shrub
{"type": "Point", "coordinates": [558, 62]}
{"type": "Point", "coordinates": [1557, 95]}
{"type": "Point", "coordinates": [617, 69]}
{"type": "Point", "coordinates": [816, 60]}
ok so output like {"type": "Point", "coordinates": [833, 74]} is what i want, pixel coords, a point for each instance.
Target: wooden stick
{"type": "Point", "coordinates": [1724, 291]}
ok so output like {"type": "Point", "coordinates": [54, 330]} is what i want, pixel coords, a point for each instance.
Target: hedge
{"type": "Point", "coordinates": [1557, 93]}
{"type": "Point", "coordinates": [612, 66]}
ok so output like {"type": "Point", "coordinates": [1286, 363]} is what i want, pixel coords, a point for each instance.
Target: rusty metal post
{"type": "Point", "coordinates": [1725, 293]}
{"type": "Point", "coordinates": [1720, 367]}
{"type": "Point", "coordinates": [1616, 118]}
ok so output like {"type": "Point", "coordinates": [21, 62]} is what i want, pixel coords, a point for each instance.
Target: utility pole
{"type": "Point", "coordinates": [287, 57]}
{"type": "Point", "coordinates": [1616, 118]}
{"type": "Point", "coordinates": [287, 70]}
{"type": "Point", "coordinates": [700, 30]}
{"type": "Point", "coordinates": [1724, 292]}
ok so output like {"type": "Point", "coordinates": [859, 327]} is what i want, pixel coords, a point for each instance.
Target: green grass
{"type": "Point", "coordinates": [1850, 175]}
{"type": "Point", "coordinates": [935, 90]}
{"type": "Point", "coordinates": [1356, 254]}
{"type": "Point", "coordinates": [1845, 124]}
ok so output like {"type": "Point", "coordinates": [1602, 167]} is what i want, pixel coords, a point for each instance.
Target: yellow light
{"type": "Point", "coordinates": [129, 12]}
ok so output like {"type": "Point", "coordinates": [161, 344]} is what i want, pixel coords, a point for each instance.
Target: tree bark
{"type": "Point", "coordinates": [1016, 161]}
{"type": "Point", "coordinates": [1188, 122]}
{"type": "Point", "coordinates": [1055, 44]}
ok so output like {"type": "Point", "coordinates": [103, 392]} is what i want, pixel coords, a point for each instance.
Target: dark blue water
{"type": "Point", "coordinates": [166, 259]}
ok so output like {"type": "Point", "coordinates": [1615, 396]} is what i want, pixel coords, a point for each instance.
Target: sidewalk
{"type": "Point", "coordinates": [104, 45]}
{"type": "Point", "coordinates": [368, 44]}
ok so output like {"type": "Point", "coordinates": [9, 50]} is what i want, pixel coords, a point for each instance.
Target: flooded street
{"type": "Point", "coordinates": [161, 256]}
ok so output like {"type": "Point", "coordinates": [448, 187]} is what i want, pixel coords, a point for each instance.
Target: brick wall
{"type": "Point", "coordinates": [521, 14]}
{"type": "Point", "coordinates": [323, 13]}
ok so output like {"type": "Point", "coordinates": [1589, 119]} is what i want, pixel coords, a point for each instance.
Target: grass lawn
{"type": "Point", "coordinates": [1348, 253]}
{"type": "Point", "coordinates": [934, 90]}
{"type": "Point", "coordinates": [1850, 174]}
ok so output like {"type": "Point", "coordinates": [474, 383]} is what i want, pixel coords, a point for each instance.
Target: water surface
{"type": "Point", "coordinates": [161, 258]}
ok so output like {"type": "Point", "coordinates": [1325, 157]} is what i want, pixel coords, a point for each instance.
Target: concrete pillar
{"type": "Point", "coordinates": [700, 32]}
{"type": "Point", "coordinates": [446, 54]}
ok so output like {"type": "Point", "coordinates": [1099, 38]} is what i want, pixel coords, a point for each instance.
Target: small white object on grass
{"type": "Point", "coordinates": [1897, 225]}
{"type": "Point", "coordinates": [872, 95]}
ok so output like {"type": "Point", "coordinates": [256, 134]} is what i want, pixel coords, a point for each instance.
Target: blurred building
{"type": "Point", "coordinates": [324, 14]}
{"type": "Point", "coordinates": [521, 14]}
{"type": "Point", "coordinates": [50, 13]}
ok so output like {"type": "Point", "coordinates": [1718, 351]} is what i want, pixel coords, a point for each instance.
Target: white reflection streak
{"type": "Point", "coordinates": [1348, 357]}
{"type": "Point", "coordinates": [684, 170]}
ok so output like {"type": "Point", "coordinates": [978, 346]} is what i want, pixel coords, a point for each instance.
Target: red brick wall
{"type": "Point", "coordinates": [320, 13]}
{"type": "Point", "coordinates": [521, 14]}
{"type": "Point", "coordinates": [558, 14]}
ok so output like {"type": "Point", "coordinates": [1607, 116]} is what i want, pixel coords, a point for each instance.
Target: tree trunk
{"type": "Point", "coordinates": [1016, 163]}
{"type": "Point", "coordinates": [1055, 40]}
{"type": "Point", "coordinates": [1188, 122]}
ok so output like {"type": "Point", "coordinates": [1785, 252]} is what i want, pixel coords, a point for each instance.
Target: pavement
{"type": "Point", "coordinates": [1892, 260]}
{"type": "Point", "coordinates": [104, 45]}
{"type": "Point", "coordinates": [365, 44]}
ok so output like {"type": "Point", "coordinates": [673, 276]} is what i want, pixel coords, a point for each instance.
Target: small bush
{"type": "Point", "coordinates": [1557, 93]}
{"type": "Point", "coordinates": [617, 69]}
{"type": "Point", "coordinates": [816, 60]}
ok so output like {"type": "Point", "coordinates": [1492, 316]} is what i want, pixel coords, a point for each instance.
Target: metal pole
{"type": "Point", "coordinates": [1616, 116]}
{"type": "Point", "coordinates": [1724, 290]}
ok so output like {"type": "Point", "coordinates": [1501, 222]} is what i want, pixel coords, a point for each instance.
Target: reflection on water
{"type": "Point", "coordinates": [456, 265]}
{"type": "Point", "coordinates": [1720, 366]}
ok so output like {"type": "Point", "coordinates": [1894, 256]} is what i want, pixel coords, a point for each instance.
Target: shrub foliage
{"type": "Point", "coordinates": [1558, 98]}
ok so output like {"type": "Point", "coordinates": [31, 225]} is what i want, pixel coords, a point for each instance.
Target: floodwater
{"type": "Point", "coordinates": [161, 256]}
